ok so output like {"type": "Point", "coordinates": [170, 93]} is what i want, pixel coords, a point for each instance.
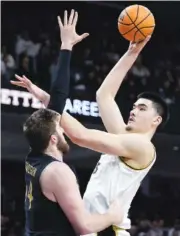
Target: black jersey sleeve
{"type": "Point", "coordinates": [60, 88]}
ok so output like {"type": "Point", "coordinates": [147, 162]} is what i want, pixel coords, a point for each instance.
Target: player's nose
{"type": "Point", "coordinates": [132, 113]}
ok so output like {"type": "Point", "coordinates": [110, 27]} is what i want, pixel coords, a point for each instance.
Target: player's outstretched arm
{"type": "Point", "coordinates": [58, 179]}
{"type": "Point", "coordinates": [92, 139]}
{"type": "Point", "coordinates": [132, 146]}
{"type": "Point", "coordinates": [69, 37]}
{"type": "Point", "coordinates": [105, 96]}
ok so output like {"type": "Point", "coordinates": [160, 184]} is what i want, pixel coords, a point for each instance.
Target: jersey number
{"type": "Point", "coordinates": [29, 195]}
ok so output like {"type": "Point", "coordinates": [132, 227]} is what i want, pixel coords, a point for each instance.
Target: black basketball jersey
{"type": "Point", "coordinates": [43, 217]}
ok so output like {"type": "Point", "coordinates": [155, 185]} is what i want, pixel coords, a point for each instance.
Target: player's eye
{"type": "Point", "coordinates": [142, 109]}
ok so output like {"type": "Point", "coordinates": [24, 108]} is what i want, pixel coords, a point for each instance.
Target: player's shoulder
{"type": "Point", "coordinates": [142, 143]}
{"type": "Point", "coordinates": [56, 174]}
{"type": "Point", "coordinates": [56, 170]}
{"type": "Point", "coordinates": [58, 166]}
{"type": "Point", "coordinates": [136, 138]}
{"type": "Point", "coordinates": [147, 147]}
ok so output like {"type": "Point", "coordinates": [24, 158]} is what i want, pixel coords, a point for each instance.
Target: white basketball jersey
{"type": "Point", "coordinates": [113, 179]}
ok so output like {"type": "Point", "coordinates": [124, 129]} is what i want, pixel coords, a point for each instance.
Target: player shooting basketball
{"type": "Point", "coordinates": [129, 151]}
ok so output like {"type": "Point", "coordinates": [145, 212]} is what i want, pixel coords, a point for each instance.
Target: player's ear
{"type": "Point", "coordinates": [157, 121]}
{"type": "Point", "coordinates": [53, 139]}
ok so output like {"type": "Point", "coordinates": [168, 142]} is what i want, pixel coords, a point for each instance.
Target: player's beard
{"type": "Point", "coordinates": [62, 145]}
{"type": "Point", "coordinates": [129, 128]}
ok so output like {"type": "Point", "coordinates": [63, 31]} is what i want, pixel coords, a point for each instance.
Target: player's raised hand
{"type": "Point", "coordinates": [22, 81]}
{"type": "Point", "coordinates": [68, 29]}
{"type": "Point", "coordinates": [136, 48]}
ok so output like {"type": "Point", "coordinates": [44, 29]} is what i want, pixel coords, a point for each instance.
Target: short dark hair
{"type": "Point", "coordinates": [39, 127]}
{"type": "Point", "coordinates": [159, 104]}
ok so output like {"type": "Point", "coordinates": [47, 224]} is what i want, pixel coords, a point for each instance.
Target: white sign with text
{"type": "Point", "coordinates": [25, 99]}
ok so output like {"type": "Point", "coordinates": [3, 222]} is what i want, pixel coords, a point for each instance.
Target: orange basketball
{"type": "Point", "coordinates": [136, 22]}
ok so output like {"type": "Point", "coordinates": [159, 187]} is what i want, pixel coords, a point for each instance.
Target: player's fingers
{"type": "Point", "coordinates": [18, 83]}
{"type": "Point", "coordinates": [14, 82]}
{"type": "Point", "coordinates": [18, 77]}
{"type": "Point", "coordinates": [71, 17]}
{"type": "Point", "coordinates": [59, 22]}
{"type": "Point", "coordinates": [143, 43]}
{"type": "Point", "coordinates": [75, 19]}
{"type": "Point", "coordinates": [146, 40]}
{"type": "Point", "coordinates": [26, 79]}
{"type": "Point", "coordinates": [132, 45]}
{"type": "Point", "coordinates": [85, 35]}
{"type": "Point", "coordinates": [65, 17]}
{"type": "Point", "coordinates": [148, 37]}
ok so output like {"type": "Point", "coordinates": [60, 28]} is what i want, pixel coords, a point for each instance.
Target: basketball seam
{"type": "Point", "coordinates": [137, 13]}
{"type": "Point", "coordinates": [124, 23]}
{"type": "Point", "coordinates": [139, 22]}
{"type": "Point", "coordinates": [128, 31]}
{"type": "Point", "coordinates": [147, 27]}
{"type": "Point", "coordinates": [139, 29]}
{"type": "Point", "coordinates": [136, 33]}
{"type": "Point", "coordinates": [131, 20]}
{"type": "Point", "coordinates": [135, 26]}
{"type": "Point", "coordinates": [143, 28]}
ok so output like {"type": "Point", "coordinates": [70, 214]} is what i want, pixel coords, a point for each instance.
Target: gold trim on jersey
{"type": "Point", "coordinates": [117, 229]}
{"type": "Point", "coordinates": [143, 168]}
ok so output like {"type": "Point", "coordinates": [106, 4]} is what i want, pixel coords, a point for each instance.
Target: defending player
{"type": "Point", "coordinates": [53, 205]}
{"type": "Point", "coordinates": [129, 151]}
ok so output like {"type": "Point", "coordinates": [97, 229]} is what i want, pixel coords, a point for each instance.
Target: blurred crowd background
{"type": "Point", "coordinates": [30, 44]}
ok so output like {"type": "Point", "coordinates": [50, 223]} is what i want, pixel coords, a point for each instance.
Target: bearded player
{"type": "Point", "coordinates": [129, 152]}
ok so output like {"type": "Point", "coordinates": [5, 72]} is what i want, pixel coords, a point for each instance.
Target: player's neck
{"type": "Point", "coordinates": [54, 153]}
{"type": "Point", "coordinates": [149, 134]}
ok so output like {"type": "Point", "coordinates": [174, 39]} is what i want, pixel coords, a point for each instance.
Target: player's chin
{"type": "Point", "coordinates": [63, 146]}
{"type": "Point", "coordinates": [66, 148]}
{"type": "Point", "coordinates": [129, 127]}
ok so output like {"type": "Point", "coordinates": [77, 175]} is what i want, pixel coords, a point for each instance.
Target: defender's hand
{"type": "Point", "coordinates": [116, 212]}
{"type": "Point", "coordinates": [136, 48]}
{"type": "Point", "coordinates": [23, 81]}
{"type": "Point", "coordinates": [68, 33]}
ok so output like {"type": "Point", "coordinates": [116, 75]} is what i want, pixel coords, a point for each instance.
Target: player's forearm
{"type": "Point", "coordinates": [113, 80]}
{"type": "Point", "coordinates": [60, 88]}
{"type": "Point", "coordinates": [105, 96]}
{"type": "Point", "coordinates": [73, 128]}
{"type": "Point", "coordinates": [40, 94]}
{"type": "Point", "coordinates": [96, 223]}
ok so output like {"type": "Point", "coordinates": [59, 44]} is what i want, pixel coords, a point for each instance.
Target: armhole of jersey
{"type": "Point", "coordinates": [143, 168]}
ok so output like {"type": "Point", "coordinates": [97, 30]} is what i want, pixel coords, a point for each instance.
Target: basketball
{"type": "Point", "coordinates": [136, 22]}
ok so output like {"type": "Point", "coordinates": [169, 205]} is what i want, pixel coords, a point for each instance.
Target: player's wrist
{"type": "Point", "coordinates": [31, 88]}
{"type": "Point", "coordinates": [66, 46]}
{"type": "Point", "coordinates": [130, 53]}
